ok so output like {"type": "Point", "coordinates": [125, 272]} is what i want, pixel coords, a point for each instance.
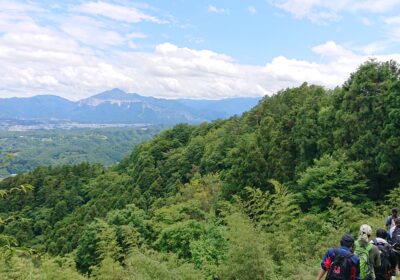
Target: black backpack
{"type": "Point", "coordinates": [396, 236]}
{"type": "Point", "coordinates": [384, 272]}
{"type": "Point", "coordinates": [340, 267]}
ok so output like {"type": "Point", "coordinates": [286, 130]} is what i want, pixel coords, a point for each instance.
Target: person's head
{"type": "Point", "coordinates": [365, 232]}
{"type": "Point", "coordinates": [395, 211]}
{"type": "Point", "coordinates": [381, 233]}
{"type": "Point", "coordinates": [347, 241]}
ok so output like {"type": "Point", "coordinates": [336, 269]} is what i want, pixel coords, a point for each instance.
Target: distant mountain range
{"type": "Point", "coordinates": [117, 106]}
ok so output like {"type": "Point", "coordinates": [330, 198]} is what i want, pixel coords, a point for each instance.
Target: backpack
{"type": "Point", "coordinates": [362, 252]}
{"type": "Point", "coordinates": [385, 270]}
{"type": "Point", "coordinates": [396, 235]}
{"type": "Point", "coordinates": [340, 267]}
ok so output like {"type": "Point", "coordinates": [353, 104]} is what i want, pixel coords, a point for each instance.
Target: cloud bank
{"type": "Point", "coordinates": [83, 53]}
{"type": "Point", "coordinates": [316, 10]}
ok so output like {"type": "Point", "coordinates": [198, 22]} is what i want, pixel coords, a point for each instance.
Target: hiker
{"type": "Point", "coordinates": [395, 240]}
{"type": "Point", "coordinates": [395, 232]}
{"type": "Point", "coordinates": [340, 263]}
{"type": "Point", "coordinates": [367, 253]}
{"type": "Point", "coordinates": [390, 221]}
{"type": "Point", "coordinates": [388, 257]}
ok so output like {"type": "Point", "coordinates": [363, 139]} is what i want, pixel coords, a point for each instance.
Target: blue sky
{"type": "Point", "coordinates": [192, 49]}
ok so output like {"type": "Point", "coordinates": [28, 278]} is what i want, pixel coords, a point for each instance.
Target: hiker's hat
{"type": "Point", "coordinates": [365, 231]}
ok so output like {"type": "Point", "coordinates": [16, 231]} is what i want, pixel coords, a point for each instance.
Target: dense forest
{"type": "Point", "coordinates": [22, 151]}
{"type": "Point", "coordinates": [259, 196]}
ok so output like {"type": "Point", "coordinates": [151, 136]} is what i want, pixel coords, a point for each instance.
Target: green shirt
{"type": "Point", "coordinates": [374, 257]}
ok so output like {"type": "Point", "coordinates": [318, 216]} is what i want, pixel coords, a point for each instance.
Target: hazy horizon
{"type": "Point", "coordinates": [97, 93]}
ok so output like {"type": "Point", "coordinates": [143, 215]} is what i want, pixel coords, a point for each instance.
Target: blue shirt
{"type": "Point", "coordinates": [330, 256]}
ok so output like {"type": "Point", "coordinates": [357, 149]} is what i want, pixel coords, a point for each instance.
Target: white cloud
{"type": "Point", "coordinates": [132, 45]}
{"type": "Point", "coordinates": [252, 10]}
{"type": "Point", "coordinates": [392, 20]}
{"type": "Point", "coordinates": [169, 71]}
{"type": "Point", "coordinates": [136, 35]}
{"type": "Point", "coordinates": [76, 57]}
{"type": "Point", "coordinates": [38, 60]}
{"type": "Point", "coordinates": [371, 6]}
{"type": "Point", "coordinates": [288, 72]}
{"type": "Point", "coordinates": [6, 5]}
{"type": "Point", "coordinates": [116, 12]}
{"type": "Point", "coordinates": [196, 40]}
{"type": "Point", "coordinates": [375, 47]}
{"type": "Point", "coordinates": [91, 32]}
{"type": "Point", "coordinates": [214, 9]}
{"type": "Point", "coordinates": [366, 21]}
{"type": "Point", "coordinates": [331, 49]}
{"type": "Point", "coordinates": [393, 28]}
{"type": "Point", "coordinates": [306, 8]}
{"type": "Point", "coordinates": [321, 10]}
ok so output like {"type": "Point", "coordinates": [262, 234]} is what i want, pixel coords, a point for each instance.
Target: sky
{"type": "Point", "coordinates": [189, 49]}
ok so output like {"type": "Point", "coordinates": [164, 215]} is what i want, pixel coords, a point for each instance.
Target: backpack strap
{"type": "Point", "coordinates": [348, 255]}
{"type": "Point", "coordinates": [368, 247]}
{"type": "Point", "coordinates": [377, 243]}
{"type": "Point", "coordinates": [335, 252]}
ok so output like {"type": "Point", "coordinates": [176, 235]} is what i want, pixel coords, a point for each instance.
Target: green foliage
{"type": "Point", "coordinates": [87, 254]}
{"type": "Point", "coordinates": [38, 268]}
{"type": "Point", "coordinates": [393, 197]}
{"type": "Point", "coordinates": [9, 245]}
{"type": "Point", "coordinates": [22, 151]}
{"type": "Point", "coordinates": [247, 257]}
{"type": "Point", "coordinates": [271, 210]}
{"type": "Point", "coordinates": [247, 165]}
{"type": "Point", "coordinates": [367, 121]}
{"type": "Point", "coordinates": [332, 173]}
{"type": "Point", "coordinates": [178, 236]}
{"type": "Point", "coordinates": [260, 196]}
{"type": "Point", "coordinates": [345, 216]}
{"type": "Point", "coordinates": [109, 270]}
{"type": "Point", "coordinates": [151, 265]}
{"type": "Point", "coordinates": [208, 252]}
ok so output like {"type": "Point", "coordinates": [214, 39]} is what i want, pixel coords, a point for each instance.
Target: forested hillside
{"type": "Point", "coordinates": [22, 151]}
{"type": "Point", "coordinates": [260, 196]}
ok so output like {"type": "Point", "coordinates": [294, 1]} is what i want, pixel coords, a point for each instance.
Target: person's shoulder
{"type": "Point", "coordinates": [331, 251]}
{"type": "Point", "coordinates": [375, 247]}
{"type": "Point", "coordinates": [355, 259]}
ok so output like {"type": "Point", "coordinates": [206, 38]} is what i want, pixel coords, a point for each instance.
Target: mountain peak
{"type": "Point", "coordinates": [114, 96]}
{"type": "Point", "coordinates": [114, 93]}
{"type": "Point", "coordinates": [117, 106]}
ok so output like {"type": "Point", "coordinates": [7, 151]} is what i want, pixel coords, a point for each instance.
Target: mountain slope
{"type": "Point", "coordinates": [116, 106]}
{"type": "Point", "coordinates": [37, 107]}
